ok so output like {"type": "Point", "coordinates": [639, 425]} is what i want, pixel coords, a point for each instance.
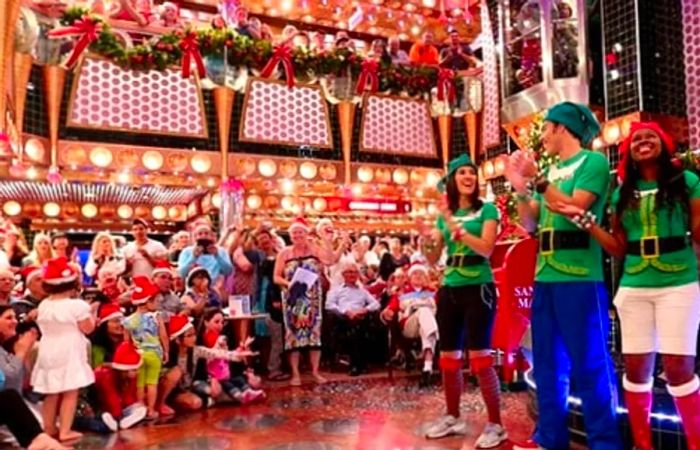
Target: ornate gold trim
{"type": "Point", "coordinates": [77, 73]}
{"type": "Point", "coordinates": [426, 109]}
{"type": "Point", "coordinates": [251, 80]}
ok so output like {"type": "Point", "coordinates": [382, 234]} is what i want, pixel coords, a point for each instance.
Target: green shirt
{"type": "Point", "coordinates": [587, 171]}
{"type": "Point", "coordinates": [670, 269]}
{"type": "Point", "coordinates": [472, 223]}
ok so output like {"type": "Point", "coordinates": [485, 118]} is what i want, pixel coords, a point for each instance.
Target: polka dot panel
{"type": "Point", "coordinates": [491, 111]}
{"type": "Point", "coordinates": [691, 33]}
{"type": "Point", "coordinates": [157, 102]}
{"type": "Point", "coordinates": [277, 114]}
{"type": "Point", "coordinates": [398, 126]}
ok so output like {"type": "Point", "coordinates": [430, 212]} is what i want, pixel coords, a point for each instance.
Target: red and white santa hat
{"type": "Point", "coordinates": [29, 273]}
{"type": "Point", "coordinates": [109, 311]}
{"type": "Point", "coordinates": [162, 266]}
{"type": "Point", "coordinates": [126, 357]}
{"type": "Point", "coordinates": [299, 223]}
{"type": "Point", "coordinates": [58, 271]}
{"type": "Point", "coordinates": [144, 289]}
{"type": "Point", "coordinates": [178, 325]}
{"type": "Point", "coordinates": [416, 267]}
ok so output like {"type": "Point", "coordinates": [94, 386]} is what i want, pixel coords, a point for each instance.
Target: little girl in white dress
{"type": "Point", "coordinates": [62, 365]}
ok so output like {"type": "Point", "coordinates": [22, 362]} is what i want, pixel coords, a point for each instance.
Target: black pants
{"type": "Point", "coordinates": [353, 336]}
{"type": "Point", "coordinates": [15, 414]}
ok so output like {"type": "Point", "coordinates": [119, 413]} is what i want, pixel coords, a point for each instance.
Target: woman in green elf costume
{"type": "Point", "coordinates": [466, 303]}
{"type": "Point", "coordinates": [656, 216]}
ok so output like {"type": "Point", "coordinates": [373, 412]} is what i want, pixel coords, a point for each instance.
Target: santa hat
{"type": "Point", "coordinates": [178, 325]}
{"type": "Point", "coordinates": [29, 273]}
{"type": "Point", "coordinates": [162, 266]}
{"type": "Point", "coordinates": [144, 290]}
{"type": "Point", "coordinates": [126, 357]}
{"type": "Point", "coordinates": [323, 223]}
{"type": "Point", "coordinates": [666, 139]}
{"type": "Point", "coordinates": [58, 271]}
{"type": "Point", "coordinates": [195, 272]}
{"type": "Point", "coordinates": [109, 311]}
{"type": "Point", "coordinates": [299, 223]}
{"type": "Point", "coordinates": [415, 267]}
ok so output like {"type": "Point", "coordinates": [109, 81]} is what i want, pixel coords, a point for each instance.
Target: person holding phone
{"type": "Point", "coordinates": [205, 252]}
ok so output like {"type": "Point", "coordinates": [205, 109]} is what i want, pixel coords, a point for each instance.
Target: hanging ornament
{"type": "Point", "coordinates": [86, 29]}
{"type": "Point", "coordinates": [54, 176]}
{"type": "Point", "coordinates": [444, 20]}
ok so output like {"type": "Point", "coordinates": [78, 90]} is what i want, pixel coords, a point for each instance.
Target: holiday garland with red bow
{"type": "Point", "coordinates": [181, 47]}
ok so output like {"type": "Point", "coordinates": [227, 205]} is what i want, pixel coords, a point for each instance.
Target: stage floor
{"type": "Point", "coordinates": [367, 413]}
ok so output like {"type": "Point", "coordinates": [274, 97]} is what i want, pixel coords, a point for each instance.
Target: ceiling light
{"type": "Point", "coordinates": [286, 5]}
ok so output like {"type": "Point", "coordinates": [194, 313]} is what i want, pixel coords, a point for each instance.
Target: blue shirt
{"type": "Point", "coordinates": [346, 298]}
{"type": "Point", "coordinates": [219, 264]}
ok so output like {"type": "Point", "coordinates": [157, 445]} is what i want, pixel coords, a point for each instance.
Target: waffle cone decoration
{"type": "Point", "coordinates": [223, 101]}
{"type": "Point", "coordinates": [22, 71]}
{"type": "Point", "coordinates": [472, 121]}
{"type": "Point", "coordinates": [445, 129]}
{"type": "Point", "coordinates": [346, 118]}
{"type": "Point", "coordinates": [54, 82]}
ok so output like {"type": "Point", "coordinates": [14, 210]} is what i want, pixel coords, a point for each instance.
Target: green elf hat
{"type": "Point", "coordinates": [577, 118]}
{"type": "Point", "coordinates": [456, 163]}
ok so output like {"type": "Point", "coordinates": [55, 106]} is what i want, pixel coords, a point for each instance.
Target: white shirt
{"type": "Point", "coordinates": [336, 270]}
{"type": "Point", "coordinates": [4, 260]}
{"type": "Point", "coordinates": [344, 298]}
{"type": "Point", "coordinates": [141, 266]}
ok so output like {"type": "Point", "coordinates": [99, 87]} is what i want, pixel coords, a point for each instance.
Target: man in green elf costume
{"type": "Point", "coordinates": [570, 307]}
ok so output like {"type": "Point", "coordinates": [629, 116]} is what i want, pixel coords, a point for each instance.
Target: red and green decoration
{"type": "Point", "coordinates": [181, 47]}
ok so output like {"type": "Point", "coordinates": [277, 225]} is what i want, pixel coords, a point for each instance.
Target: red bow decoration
{"type": "Point", "coordinates": [282, 54]}
{"type": "Point", "coordinates": [446, 85]}
{"type": "Point", "coordinates": [370, 67]}
{"type": "Point", "coordinates": [88, 30]}
{"type": "Point", "coordinates": [190, 50]}
{"type": "Point", "coordinates": [231, 185]}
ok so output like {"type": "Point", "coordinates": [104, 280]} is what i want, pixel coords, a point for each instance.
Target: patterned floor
{"type": "Point", "coordinates": [366, 414]}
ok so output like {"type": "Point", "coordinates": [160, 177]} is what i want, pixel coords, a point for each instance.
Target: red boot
{"type": "Point", "coordinates": [638, 401]}
{"type": "Point", "coordinates": [687, 398]}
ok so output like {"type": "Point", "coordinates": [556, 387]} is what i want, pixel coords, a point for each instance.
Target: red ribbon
{"type": "Point", "coordinates": [190, 51]}
{"type": "Point", "coordinates": [231, 185]}
{"type": "Point", "coordinates": [86, 28]}
{"type": "Point", "coordinates": [370, 67]}
{"type": "Point", "coordinates": [446, 85]}
{"type": "Point", "coordinates": [282, 54]}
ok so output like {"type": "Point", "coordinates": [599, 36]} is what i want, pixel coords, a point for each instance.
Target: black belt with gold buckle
{"type": "Point", "coordinates": [654, 246]}
{"type": "Point", "coordinates": [551, 240]}
{"type": "Point", "coordinates": [464, 260]}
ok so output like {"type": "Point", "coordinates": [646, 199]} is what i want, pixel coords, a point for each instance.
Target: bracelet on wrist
{"type": "Point", "coordinates": [541, 186]}
{"type": "Point", "coordinates": [585, 220]}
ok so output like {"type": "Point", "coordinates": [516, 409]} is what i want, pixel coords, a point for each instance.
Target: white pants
{"type": "Point", "coordinates": [663, 320]}
{"type": "Point", "coordinates": [422, 324]}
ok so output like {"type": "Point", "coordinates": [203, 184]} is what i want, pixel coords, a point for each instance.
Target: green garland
{"type": "Point", "coordinates": [164, 51]}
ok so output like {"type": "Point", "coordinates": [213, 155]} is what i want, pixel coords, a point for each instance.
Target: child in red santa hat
{"type": "Point", "coordinates": [415, 307]}
{"type": "Point", "coordinates": [147, 330]}
{"type": "Point", "coordinates": [62, 365]}
{"type": "Point", "coordinates": [235, 385]}
{"type": "Point", "coordinates": [115, 384]}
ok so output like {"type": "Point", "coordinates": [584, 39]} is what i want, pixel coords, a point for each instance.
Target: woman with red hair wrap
{"type": "Point", "coordinates": [655, 207]}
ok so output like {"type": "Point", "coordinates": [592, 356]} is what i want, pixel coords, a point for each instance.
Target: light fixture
{"type": "Point", "coordinates": [125, 212]}
{"type": "Point", "coordinates": [287, 186]}
{"type": "Point", "coordinates": [176, 212]}
{"type": "Point", "coordinates": [211, 182]}
{"type": "Point", "coordinates": [356, 190]}
{"type": "Point", "coordinates": [74, 156]}
{"type": "Point", "coordinates": [52, 209]}
{"type": "Point", "coordinates": [101, 157]}
{"type": "Point", "coordinates": [500, 165]}
{"type": "Point", "coordinates": [611, 133]}
{"type": "Point", "coordinates": [88, 210]}
{"type": "Point", "coordinates": [429, 3]}
{"type": "Point", "coordinates": [254, 201]}
{"type": "Point", "coordinates": [287, 203]}
{"type": "Point", "coordinates": [286, 5]}
{"type": "Point", "coordinates": [489, 170]}
{"type": "Point", "coordinates": [159, 212]}
{"type": "Point", "coordinates": [267, 167]}
{"type": "Point", "coordinates": [200, 163]}
{"type": "Point", "coordinates": [124, 177]}
{"type": "Point", "coordinates": [308, 170]}
{"type": "Point", "coordinates": [32, 173]}
{"type": "Point", "coordinates": [597, 143]}
{"type": "Point", "coordinates": [12, 208]}
{"type": "Point", "coordinates": [415, 30]}
{"type": "Point", "coordinates": [320, 204]}
{"type": "Point", "coordinates": [365, 174]}
{"type": "Point", "coordinates": [152, 160]}
{"type": "Point", "coordinates": [34, 149]}
{"type": "Point", "coordinates": [400, 176]}
{"type": "Point", "coordinates": [432, 178]}
{"type": "Point", "coordinates": [216, 200]}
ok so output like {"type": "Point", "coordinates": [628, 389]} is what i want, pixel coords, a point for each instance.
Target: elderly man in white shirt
{"type": "Point", "coordinates": [350, 307]}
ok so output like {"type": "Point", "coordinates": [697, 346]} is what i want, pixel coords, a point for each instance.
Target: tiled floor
{"type": "Point", "coordinates": [360, 414]}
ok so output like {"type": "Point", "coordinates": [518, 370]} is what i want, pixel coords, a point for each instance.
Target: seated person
{"type": "Point", "coordinates": [169, 15]}
{"type": "Point", "coordinates": [415, 310]}
{"type": "Point", "coordinates": [397, 55]}
{"type": "Point", "coordinates": [139, 11]}
{"type": "Point", "coordinates": [26, 306]}
{"type": "Point", "coordinates": [349, 305]}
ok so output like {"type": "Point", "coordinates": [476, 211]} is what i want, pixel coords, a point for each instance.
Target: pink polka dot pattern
{"type": "Point", "coordinates": [691, 31]}
{"type": "Point", "coordinates": [492, 113]}
{"type": "Point", "coordinates": [397, 126]}
{"type": "Point", "coordinates": [157, 102]}
{"type": "Point", "coordinates": [277, 114]}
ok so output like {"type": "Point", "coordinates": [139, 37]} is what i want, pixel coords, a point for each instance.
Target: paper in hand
{"type": "Point", "coordinates": [305, 276]}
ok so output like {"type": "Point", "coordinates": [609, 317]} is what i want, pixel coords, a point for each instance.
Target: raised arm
{"type": "Point", "coordinates": [278, 275]}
